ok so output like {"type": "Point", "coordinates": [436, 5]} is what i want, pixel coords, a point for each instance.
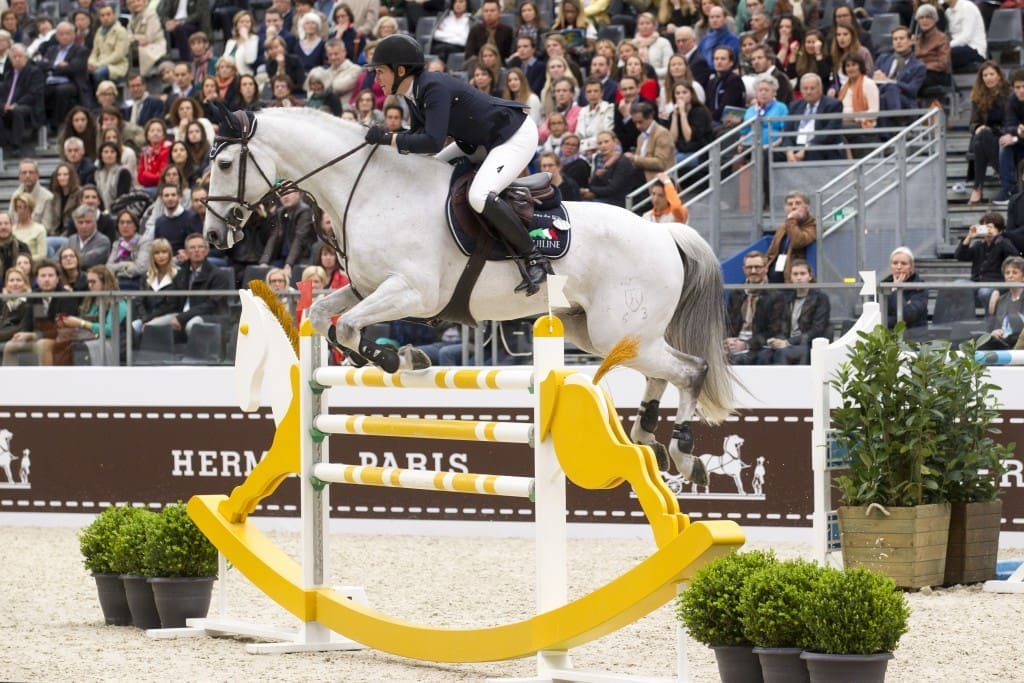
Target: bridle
{"type": "Point", "coordinates": [235, 219]}
{"type": "Point", "coordinates": [241, 126]}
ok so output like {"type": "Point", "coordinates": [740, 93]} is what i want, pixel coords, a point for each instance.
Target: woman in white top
{"type": "Point", "coordinates": [451, 30]}
{"type": "Point", "coordinates": [654, 49]}
{"type": "Point", "coordinates": [243, 44]}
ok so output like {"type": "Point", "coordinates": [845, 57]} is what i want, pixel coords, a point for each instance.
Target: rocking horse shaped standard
{"type": "Point", "coordinates": [659, 284]}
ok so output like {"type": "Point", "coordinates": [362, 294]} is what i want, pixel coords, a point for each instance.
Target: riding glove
{"type": "Point", "coordinates": [378, 135]}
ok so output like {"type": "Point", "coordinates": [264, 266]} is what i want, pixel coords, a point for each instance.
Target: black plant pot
{"type": "Point", "coordinates": [140, 600]}
{"type": "Point", "coordinates": [737, 664]}
{"type": "Point", "coordinates": [782, 665]}
{"type": "Point", "coordinates": [113, 602]}
{"type": "Point", "coordinates": [847, 668]}
{"type": "Point", "coordinates": [181, 598]}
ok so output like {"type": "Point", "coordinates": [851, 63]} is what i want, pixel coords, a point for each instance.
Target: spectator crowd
{"type": "Point", "coordinates": [126, 93]}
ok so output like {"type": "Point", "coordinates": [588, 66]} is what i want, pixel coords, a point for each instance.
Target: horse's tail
{"type": "Point", "coordinates": [698, 325]}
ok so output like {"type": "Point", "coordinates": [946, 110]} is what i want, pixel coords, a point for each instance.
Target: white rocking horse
{"type": "Point", "coordinates": [657, 283]}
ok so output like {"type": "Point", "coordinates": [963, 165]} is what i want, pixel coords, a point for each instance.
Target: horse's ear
{"type": "Point", "coordinates": [217, 112]}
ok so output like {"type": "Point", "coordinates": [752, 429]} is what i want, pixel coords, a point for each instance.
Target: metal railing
{"type": "Point", "coordinates": [953, 315]}
{"type": "Point", "coordinates": [722, 184]}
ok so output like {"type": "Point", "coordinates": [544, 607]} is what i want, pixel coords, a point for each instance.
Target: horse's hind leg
{"type": "Point", "coordinates": [647, 421]}
{"type": "Point", "coordinates": [659, 361]}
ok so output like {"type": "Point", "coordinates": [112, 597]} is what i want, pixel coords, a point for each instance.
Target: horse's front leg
{"type": "Point", "coordinates": [324, 309]}
{"type": "Point", "coordinates": [394, 299]}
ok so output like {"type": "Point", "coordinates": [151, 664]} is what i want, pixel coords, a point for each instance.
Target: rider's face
{"type": "Point", "coordinates": [385, 77]}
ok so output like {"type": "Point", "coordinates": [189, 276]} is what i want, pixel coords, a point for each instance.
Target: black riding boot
{"type": "Point", "coordinates": [533, 265]}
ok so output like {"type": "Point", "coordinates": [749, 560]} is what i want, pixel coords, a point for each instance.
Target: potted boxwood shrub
{"type": "Point", "coordinates": [96, 541]}
{"type": "Point", "coordinates": [770, 608]}
{"type": "Point", "coordinates": [854, 621]}
{"type": "Point", "coordinates": [974, 465]}
{"type": "Point", "coordinates": [709, 608]}
{"type": "Point", "coordinates": [184, 566]}
{"type": "Point", "coordinates": [896, 406]}
{"type": "Point", "coordinates": [130, 563]}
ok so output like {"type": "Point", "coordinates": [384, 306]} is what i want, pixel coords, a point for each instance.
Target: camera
{"type": "Point", "coordinates": [981, 230]}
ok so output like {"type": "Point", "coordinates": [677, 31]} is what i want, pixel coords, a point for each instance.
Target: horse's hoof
{"type": "Point", "coordinates": [699, 475]}
{"type": "Point", "coordinates": [412, 358]}
{"type": "Point", "coordinates": [384, 357]}
{"type": "Point", "coordinates": [661, 455]}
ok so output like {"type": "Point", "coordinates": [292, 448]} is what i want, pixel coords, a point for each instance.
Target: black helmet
{"type": "Point", "coordinates": [399, 49]}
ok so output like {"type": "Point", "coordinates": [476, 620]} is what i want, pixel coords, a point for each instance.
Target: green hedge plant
{"type": "Point", "coordinates": [131, 541]}
{"type": "Point", "coordinates": [177, 548]}
{"type": "Point", "coordinates": [772, 600]}
{"type": "Point", "coordinates": [709, 607]}
{"type": "Point", "coordinates": [97, 541]}
{"type": "Point", "coordinates": [854, 612]}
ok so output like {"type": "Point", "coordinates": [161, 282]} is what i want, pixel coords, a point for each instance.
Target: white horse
{"type": "Point", "coordinates": [625, 276]}
{"type": "Point", "coordinates": [727, 464]}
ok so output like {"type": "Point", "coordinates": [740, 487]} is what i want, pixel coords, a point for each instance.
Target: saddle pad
{"type": "Point", "coordinates": [549, 230]}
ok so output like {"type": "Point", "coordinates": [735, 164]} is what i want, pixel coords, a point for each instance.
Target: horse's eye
{"type": "Point", "coordinates": [224, 164]}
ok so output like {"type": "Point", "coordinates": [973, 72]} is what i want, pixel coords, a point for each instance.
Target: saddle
{"type": "Point", "coordinates": [535, 200]}
{"type": "Point", "coordinates": [538, 204]}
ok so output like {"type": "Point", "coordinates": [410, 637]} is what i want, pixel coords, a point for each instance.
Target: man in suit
{"type": "Point", "coordinates": [67, 80]}
{"type": "Point", "coordinates": [800, 137]}
{"type": "Point", "coordinates": [601, 70]}
{"type": "Point", "coordinates": [182, 19]}
{"type": "Point", "coordinates": [654, 151]}
{"type": "Point", "coordinates": [92, 245]}
{"type": "Point", "coordinates": [490, 30]}
{"type": "Point", "coordinates": [526, 59]}
{"type": "Point", "coordinates": [899, 74]}
{"type": "Point", "coordinates": [196, 274]}
{"type": "Point", "coordinates": [624, 128]}
{"type": "Point", "coordinates": [686, 45]}
{"type": "Point", "coordinates": [763, 61]}
{"type": "Point", "coordinates": [142, 108]}
{"type": "Point", "coordinates": [23, 106]}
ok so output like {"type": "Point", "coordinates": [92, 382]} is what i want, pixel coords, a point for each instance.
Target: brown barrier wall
{"type": "Point", "coordinates": [79, 460]}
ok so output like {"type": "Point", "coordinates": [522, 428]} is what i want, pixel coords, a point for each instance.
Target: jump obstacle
{"type": "Point", "coordinates": [575, 433]}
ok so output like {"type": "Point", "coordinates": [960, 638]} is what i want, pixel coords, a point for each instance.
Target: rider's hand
{"type": "Point", "coordinates": [378, 135]}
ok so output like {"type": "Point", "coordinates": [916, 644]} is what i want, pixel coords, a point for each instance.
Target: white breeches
{"type": "Point", "coordinates": [503, 164]}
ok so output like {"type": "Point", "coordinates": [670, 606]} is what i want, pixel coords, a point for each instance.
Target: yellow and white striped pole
{"type": "Point", "coordinates": [430, 378]}
{"type": "Point", "coordinates": [425, 480]}
{"type": "Point", "coordinates": [422, 428]}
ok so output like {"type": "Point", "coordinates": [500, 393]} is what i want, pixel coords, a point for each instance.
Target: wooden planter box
{"type": "Point", "coordinates": [973, 542]}
{"type": "Point", "coordinates": [909, 545]}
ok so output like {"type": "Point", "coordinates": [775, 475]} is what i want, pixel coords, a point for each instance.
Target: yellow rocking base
{"type": "Point", "coordinates": [642, 589]}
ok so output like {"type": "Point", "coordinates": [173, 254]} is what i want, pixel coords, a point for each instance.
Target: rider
{"type": "Point", "coordinates": [440, 106]}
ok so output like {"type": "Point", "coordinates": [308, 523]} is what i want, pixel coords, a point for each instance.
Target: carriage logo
{"type": "Point", "coordinates": [726, 466]}
{"type": "Point", "coordinates": [8, 460]}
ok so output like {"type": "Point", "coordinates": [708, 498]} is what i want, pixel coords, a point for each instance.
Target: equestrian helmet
{"type": "Point", "coordinates": [399, 49]}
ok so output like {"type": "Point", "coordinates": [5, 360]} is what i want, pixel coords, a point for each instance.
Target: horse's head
{"type": "Point", "coordinates": [241, 178]}
{"type": "Point", "coordinates": [732, 444]}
